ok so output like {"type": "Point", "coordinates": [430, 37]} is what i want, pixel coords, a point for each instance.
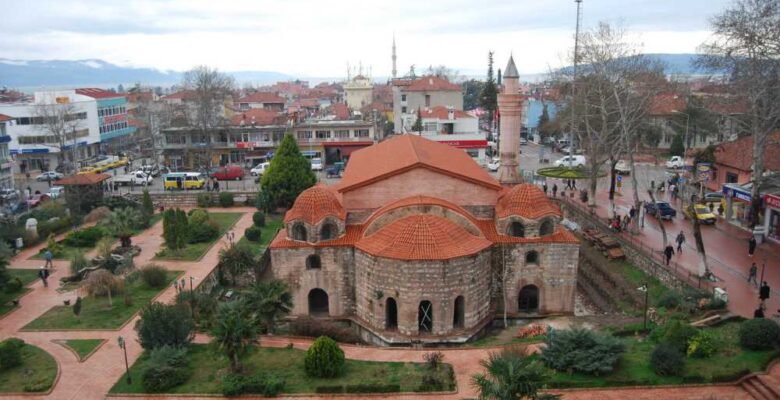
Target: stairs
{"type": "Point", "coordinates": [761, 387]}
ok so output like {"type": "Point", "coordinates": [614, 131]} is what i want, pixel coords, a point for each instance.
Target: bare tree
{"type": "Point", "coordinates": [59, 122]}
{"type": "Point", "coordinates": [746, 45]}
{"type": "Point", "coordinates": [210, 89]}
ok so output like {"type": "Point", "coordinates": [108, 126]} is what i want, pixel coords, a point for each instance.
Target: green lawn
{"type": "Point", "coordinates": [24, 275]}
{"type": "Point", "coordinates": [83, 347]}
{"type": "Point", "coordinates": [36, 374]}
{"type": "Point", "coordinates": [95, 312]}
{"type": "Point", "coordinates": [634, 367]}
{"type": "Point", "coordinates": [208, 368]}
{"type": "Point", "coordinates": [194, 252]}
{"type": "Point", "coordinates": [272, 225]}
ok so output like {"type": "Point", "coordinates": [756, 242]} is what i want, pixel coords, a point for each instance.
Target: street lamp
{"type": "Point", "coordinates": [122, 346]}
{"type": "Point", "coordinates": [643, 288]}
{"type": "Point", "coordinates": [192, 298]}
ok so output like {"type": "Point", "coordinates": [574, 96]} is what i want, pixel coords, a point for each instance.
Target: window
{"type": "Point", "coordinates": [313, 262]}
{"type": "Point", "coordinates": [175, 139]}
{"type": "Point", "coordinates": [459, 314]}
{"type": "Point", "coordinates": [427, 100]}
{"type": "Point", "coordinates": [425, 316]}
{"type": "Point", "coordinates": [516, 229]}
{"type": "Point", "coordinates": [361, 132]}
{"type": "Point", "coordinates": [430, 126]}
{"type": "Point", "coordinates": [731, 177]}
{"type": "Point", "coordinates": [532, 257]}
{"type": "Point", "coordinates": [323, 134]}
{"type": "Point", "coordinates": [403, 98]}
{"type": "Point", "coordinates": [403, 110]}
{"type": "Point", "coordinates": [328, 232]}
{"type": "Point", "coordinates": [304, 135]}
{"type": "Point", "coordinates": [546, 228]}
{"type": "Point", "coordinates": [391, 314]}
{"type": "Point", "coordinates": [341, 134]}
{"type": "Point", "coordinates": [299, 232]}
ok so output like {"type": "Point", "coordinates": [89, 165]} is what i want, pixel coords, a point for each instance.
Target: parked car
{"type": "Point", "coordinates": [37, 199]}
{"type": "Point", "coordinates": [8, 195]}
{"type": "Point", "coordinates": [259, 169]}
{"type": "Point", "coordinates": [316, 164]}
{"type": "Point", "coordinates": [571, 160]}
{"type": "Point", "coordinates": [494, 164]}
{"type": "Point", "coordinates": [703, 214]}
{"type": "Point", "coordinates": [228, 173]}
{"type": "Point", "coordinates": [55, 191]}
{"type": "Point", "coordinates": [713, 197]}
{"type": "Point", "coordinates": [622, 168]}
{"type": "Point", "coordinates": [49, 176]}
{"type": "Point", "coordinates": [675, 162]}
{"type": "Point", "coordinates": [133, 178]}
{"type": "Point", "coordinates": [523, 141]}
{"type": "Point", "coordinates": [151, 170]}
{"type": "Point", "coordinates": [664, 209]}
{"type": "Point", "coordinates": [334, 171]}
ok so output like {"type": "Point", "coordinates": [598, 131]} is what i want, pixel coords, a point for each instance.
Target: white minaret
{"type": "Point", "coordinates": [394, 58]}
{"type": "Point", "coordinates": [510, 109]}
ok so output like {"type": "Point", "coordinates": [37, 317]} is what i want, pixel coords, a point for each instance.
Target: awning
{"type": "Point", "coordinates": [736, 192]}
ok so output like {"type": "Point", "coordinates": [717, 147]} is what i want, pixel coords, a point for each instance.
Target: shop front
{"type": "Point", "coordinates": [341, 151]}
{"type": "Point", "coordinates": [772, 217]}
{"type": "Point", "coordinates": [737, 204]}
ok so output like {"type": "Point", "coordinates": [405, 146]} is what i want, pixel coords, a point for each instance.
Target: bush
{"type": "Point", "coordinates": [701, 345]}
{"type": "Point", "coordinates": [670, 299]}
{"type": "Point", "coordinates": [258, 218]}
{"type": "Point", "coordinates": [373, 388]}
{"type": "Point", "coordinates": [666, 360]}
{"type": "Point", "coordinates": [253, 234]}
{"type": "Point", "coordinates": [78, 262]}
{"type": "Point", "coordinates": [77, 306]}
{"type": "Point", "coordinates": [154, 276]}
{"type": "Point", "coordinates": [434, 359]}
{"type": "Point", "coordinates": [311, 327]}
{"type": "Point", "coordinates": [202, 233]}
{"type": "Point", "coordinates": [324, 359]}
{"type": "Point", "coordinates": [165, 325]}
{"type": "Point", "coordinates": [11, 353]}
{"type": "Point", "coordinates": [678, 334]}
{"type": "Point", "coordinates": [86, 237]}
{"type": "Point", "coordinates": [582, 350]}
{"type": "Point", "coordinates": [166, 368]}
{"type": "Point", "coordinates": [329, 389]}
{"type": "Point", "coordinates": [267, 385]}
{"type": "Point", "coordinates": [226, 199]}
{"type": "Point", "coordinates": [205, 306]}
{"type": "Point", "coordinates": [759, 334]}
{"type": "Point", "coordinates": [13, 286]}
{"type": "Point", "coordinates": [198, 216]}
{"type": "Point", "coordinates": [205, 200]}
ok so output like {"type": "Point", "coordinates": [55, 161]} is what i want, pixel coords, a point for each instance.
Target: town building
{"type": "Point", "coordinates": [409, 245]}
{"type": "Point", "coordinates": [332, 139]}
{"type": "Point", "coordinates": [411, 95]}
{"type": "Point", "coordinates": [6, 164]}
{"type": "Point", "coordinates": [264, 100]}
{"type": "Point", "coordinates": [456, 128]}
{"type": "Point", "coordinates": [358, 92]}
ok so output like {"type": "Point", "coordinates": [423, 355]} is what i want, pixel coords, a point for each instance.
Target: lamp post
{"type": "Point", "coordinates": [644, 288]}
{"type": "Point", "coordinates": [123, 346]}
{"type": "Point", "coordinates": [192, 298]}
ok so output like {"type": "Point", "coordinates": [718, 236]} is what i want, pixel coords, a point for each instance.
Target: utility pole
{"type": "Point", "coordinates": [574, 82]}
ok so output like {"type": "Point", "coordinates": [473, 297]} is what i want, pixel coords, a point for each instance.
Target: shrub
{"type": "Point", "coordinates": [258, 218]}
{"type": "Point", "coordinates": [147, 206]}
{"type": "Point", "coordinates": [253, 234]}
{"type": "Point", "coordinates": [759, 334]}
{"type": "Point", "coordinates": [701, 345]}
{"type": "Point", "coordinates": [373, 388]}
{"type": "Point", "coordinates": [202, 233]}
{"type": "Point", "coordinates": [77, 306]}
{"type": "Point", "coordinates": [434, 359]}
{"type": "Point", "coordinates": [205, 200]}
{"type": "Point", "coordinates": [267, 385]}
{"type": "Point", "coordinates": [166, 368]}
{"type": "Point", "coordinates": [86, 237]}
{"type": "Point", "coordinates": [670, 299]}
{"type": "Point", "coordinates": [324, 359]}
{"type": "Point", "coordinates": [678, 334]}
{"type": "Point", "coordinates": [78, 262]}
{"type": "Point", "coordinates": [154, 275]}
{"type": "Point", "coordinates": [226, 199]}
{"type": "Point", "coordinates": [204, 306]}
{"type": "Point", "coordinates": [666, 360]}
{"type": "Point", "coordinates": [198, 216]}
{"type": "Point", "coordinates": [13, 286]}
{"type": "Point", "coordinates": [11, 353]}
{"type": "Point", "coordinates": [582, 350]}
{"type": "Point", "coordinates": [164, 325]}
{"type": "Point", "coordinates": [311, 327]}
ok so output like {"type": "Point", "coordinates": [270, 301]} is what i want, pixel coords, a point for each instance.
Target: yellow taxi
{"type": "Point", "coordinates": [703, 214]}
{"type": "Point", "coordinates": [87, 170]}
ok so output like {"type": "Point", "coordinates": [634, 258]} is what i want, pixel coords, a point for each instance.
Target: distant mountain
{"type": "Point", "coordinates": [71, 73]}
{"type": "Point", "coordinates": [674, 64]}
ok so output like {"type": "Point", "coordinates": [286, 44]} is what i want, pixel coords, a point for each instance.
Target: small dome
{"type": "Point", "coordinates": [525, 200]}
{"type": "Point", "coordinates": [422, 237]}
{"type": "Point", "coordinates": [314, 204]}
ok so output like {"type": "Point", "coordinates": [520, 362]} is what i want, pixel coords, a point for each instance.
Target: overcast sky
{"type": "Point", "coordinates": [319, 37]}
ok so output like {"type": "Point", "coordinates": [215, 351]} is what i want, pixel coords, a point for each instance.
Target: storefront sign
{"type": "Point", "coordinates": [466, 144]}
{"type": "Point", "coordinates": [772, 200]}
{"type": "Point", "coordinates": [110, 119]}
{"type": "Point", "coordinates": [736, 193]}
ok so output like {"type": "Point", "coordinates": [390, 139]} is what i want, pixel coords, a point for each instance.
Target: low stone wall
{"type": "Point", "coordinates": [188, 199]}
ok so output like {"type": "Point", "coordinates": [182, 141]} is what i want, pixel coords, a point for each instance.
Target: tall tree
{"type": "Point", "coordinates": [418, 125]}
{"type": "Point", "coordinates": [62, 125]}
{"type": "Point", "coordinates": [288, 175]}
{"type": "Point", "coordinates": [746, 44]}
{"type": "Point", "coordinates": [472, 90]}
{"type": "Point", "coordinates": [489, 98]}
{"type": "Point", "coordinates": [210, 90]}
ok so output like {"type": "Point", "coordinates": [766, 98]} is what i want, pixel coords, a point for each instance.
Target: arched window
{"type": "Point", "coordinates": [328, 231]}
{"type": "Point", "coordinates": [459, 312]}
{"type": "Point", "coordinates": [528, 299]}
{"type": "Point", "coordinates": [546, 227]}
{"type": "Point", "coordinates": [425, 316]}
{"type": "Point", "coordinates": [516, 229]}
{"type": "Point", "coordinates": [391, 314]}
{"type": "Point", "coordinates": [299, 232]}
{"type": "Point", "coordinates": [313, 262]}
{"type": "Point", "coordinates": [532, 257]}
{"type": "Point", "coordinates": [318, 303]}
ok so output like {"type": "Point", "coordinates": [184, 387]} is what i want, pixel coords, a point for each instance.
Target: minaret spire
{"type": "Point", "coordinates": [394, 58]}
{"type": "Point", "coordinates": [510, 108]}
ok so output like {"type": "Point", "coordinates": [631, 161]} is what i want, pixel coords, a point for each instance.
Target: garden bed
{"type": "Point", "coordinates": [83, 348]}
{"type": "Point", "coordinates": [272, 225]}
{"type": "Point", "coordinates": [37, 373]}
{"type": "Point", "coordinates": [195, 251]}
{"type": "Point", "coordinates": [95, 313]}
{"type": "Point", "coordinates": [208, 368]}
{"type": "Point", "coordinates": [26, 276]}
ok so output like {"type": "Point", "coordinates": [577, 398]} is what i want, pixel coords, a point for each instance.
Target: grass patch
{"type": "Point", "coordinates": [27, 276]}
{"type": "Point", "coordinates": [194, 252]}
{"type": "Point", "coordinates": [208, 368]}
{"type": "Point", "coordinates": [36, 374]}
{"type": "Point", "coordinates": [272, 225]}
{"type": "Point", "coordinates": [95, 313]}
{"type": "Point", "coordinates": [634, 366]}
{"type": "Point", "coordinates": [82, 347]}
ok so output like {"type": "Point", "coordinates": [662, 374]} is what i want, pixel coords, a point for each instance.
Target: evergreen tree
{"type": "Point", "coordinates": [472, 90]}
{"type": "Point", "coordinates": [677, 148]}
{"type": "Point", "coordinates": [418, 126]}
{"type": "Point", "coordinates": [498, 79]}
{"type": "Point", "coordinates": [489, 99]}
{"type": "Point", "coordinates": [175, 228]}
{"type": "Point", "coordinates": [289, 174]}
{"type": "Point", "coordinates": [147, 206]}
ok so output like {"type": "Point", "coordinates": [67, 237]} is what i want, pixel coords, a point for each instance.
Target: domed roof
{"type": "Point", "coordinates": [527, 201]}
{"type": "Point", "coordinates": [422, 237]}
{"type": "Point", "coordinates": [314, 204]}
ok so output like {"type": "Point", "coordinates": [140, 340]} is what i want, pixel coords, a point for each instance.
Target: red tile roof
{"type": "Point", "coordinates": [80, 180]}
{"type": "Point", "coordinates": [405, 152]}
{"type": "Point", "coordinates": [725, 105]}
{"type": "Point", "coordinates": [262, 97]}
{"type": "Point", "coordinates": [96, 93]}
{"type": "Point", "coordinates": [314, 204]}
{"type": "Point", "coordinates": [432, 84]}
{"type": "Point", "coordinates": [560, 235]}
{"type": "Point", "coordinates": [419, 200]}
{"type": "Point", "coordinates": [181, 95]}
{"type": "Point", "coordinates": [525, 200]}
{"type": "Point", "coordinates": [422, 237]}
{"type": "Point", "coordinates": [739, 153]}
{"type": "Point", "coordinates": [667, 104]}
{"type": "Point", "coordinates": [442, 112]}
{"type": "Point", "coordinates": [4, 118]}
{"type": "Point", "coordinates": [340, 110]}
{"type": "Point", "coordinates": [256, 116]}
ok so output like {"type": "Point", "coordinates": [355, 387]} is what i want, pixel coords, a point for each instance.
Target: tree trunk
{"type": "Point", "coordinates": [612, 177]}
{"type": "Point", "coordinates": [635, 186]}
{"type": "Point", "coordinates": [704, 269]}
{"type": "Point", "coordinates": [658, 217]}
{"type": "Point", "coordinates": [593, 185]}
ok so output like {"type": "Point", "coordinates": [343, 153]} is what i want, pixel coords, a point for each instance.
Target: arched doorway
{"type": "Point", "coordinates": [459, 314]}
{"type": "Point", "coordinates": [318, 303]}
{"type": "Point", "coordinates": [528, 299]}
{"type": "Point", "coordinates": [391, 314]}
{"type": "Point", "coordinates": [425, 316]}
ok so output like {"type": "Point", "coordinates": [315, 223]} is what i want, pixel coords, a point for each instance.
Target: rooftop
{"type": "Point", "coordinates": [525, 200]}
{"type": "Point", "coordinates": [739, 153]}
{"type": "Point", "coordinates": [81, 180]}
{"type": "Point", "coordinates": [314, 204]}
{"type": "Point", "coordinates": [96, 93]}
{"type": "Point", "coordinates": [432, 84]}
{"type": "Point", "coordinates": [262, 97]}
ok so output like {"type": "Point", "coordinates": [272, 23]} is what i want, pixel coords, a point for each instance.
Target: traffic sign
{"type": "Point", "coordinates": [620, 178]}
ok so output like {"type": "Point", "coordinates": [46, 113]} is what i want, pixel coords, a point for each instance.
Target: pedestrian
{"type": "Point", "coordinates": [680, 240]}
{"type": "Point", "coordinates": [43, 273]}
{"type": "Point", "coordinates": [672, 190]}
{"type": "Point", "coordinates": [555, 189]}
{"type": "Point", "coordinates": [626, 221]}
{"type": "Point", "coordinates": [48, 257]}
{"type": "Point", "coordinates": [720, 209]}
{"type": "Point", "coordinates": [753, 274]}
{"type": "Point", "coordinates": [216, 185]}
{"type": "Point", "coordinates": [632, 212]}
{"type": "Point", "coordinates": [759, 313]}
{"type": "Point", "coordinates": [712, 208]}
{"type": "Point", "coordinates": [752, 245]}
{"type": "Point", "coordinates": [574, 184]}
{"type": "Point", "coordinates": [652, 185]}
{"type": "Point", "coordinates": [29, 192]}
{"type": "Point", "coordinates": [668, 252]}
{"type": "Point", "coordinates": [544, 187]}
{"type": "Point", "coordinates": [763, 292]}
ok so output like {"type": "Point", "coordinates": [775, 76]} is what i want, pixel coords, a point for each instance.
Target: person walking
{"type": "Point", "coordinates": [43, 273]}
{"type": "Point", "coordinates": [668, 253]}
{"type": "Point", "coordinates": [680, 240]}
{"type": "Point", "coordinates": [752, 245]}
{"type": "Point", "coordinates": [544, 187]}
{"type": "Point", "coordinates": [632, 212]}
{"type": "Point", "coordinates": [555, 189]}
{"type": "Point", "coordinates": [753, 274]}
{"type": "Point", "coordinates": [48, 256]}
{"type": "Point", "coordinates": [216, 185]}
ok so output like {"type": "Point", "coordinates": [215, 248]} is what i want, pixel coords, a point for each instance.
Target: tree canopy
{"type": "Point", "coordinates": [289, 174]}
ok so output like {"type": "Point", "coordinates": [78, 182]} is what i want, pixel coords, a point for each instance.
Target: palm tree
{"type": "Point", "coordinates": [234, 331]}
{"type": "Point", "coordinates": [511, 376]}
{"type": "Point", "coordinates": [270, 301]}
{"type": "Point", "coordinates": [122, 222]}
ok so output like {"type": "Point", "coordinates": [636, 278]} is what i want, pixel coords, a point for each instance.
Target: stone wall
{"type": "Point", "coordinates": [313, 231]}
{"type": "Point", "coordinates": [530, 226]}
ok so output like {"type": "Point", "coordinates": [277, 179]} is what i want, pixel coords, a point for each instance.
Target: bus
{"type": "Point", "coordinates": [183, 180]}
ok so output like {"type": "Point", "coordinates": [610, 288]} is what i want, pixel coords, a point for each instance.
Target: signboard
{"type": "Point", "coordinates": [736, 193]}
{"type": "Point", "coordinates": [772, 200]}
{"type": "Point", "coordinates": [466, 144]}
{"type": "Point", "coordinates": [620, 178]}
{"type": "Point", "coordinates": [62, 100]}
{"type": "Point", "coordinates": [110, 119]}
